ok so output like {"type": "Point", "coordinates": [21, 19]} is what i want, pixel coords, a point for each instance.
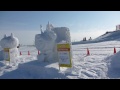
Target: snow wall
{"type": "Point", "coordinates": [115, 61]}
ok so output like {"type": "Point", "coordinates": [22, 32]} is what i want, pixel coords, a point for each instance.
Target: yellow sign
{"type": "Point", "coordinates": [7, 54]}
{"type": "Point", "coordinates": [64, 55]}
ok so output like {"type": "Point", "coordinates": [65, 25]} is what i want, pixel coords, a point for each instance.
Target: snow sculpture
{"type": "Point", "coordinates": [10, 42]}
{"type": "Point", "coordinates": [47, 40]}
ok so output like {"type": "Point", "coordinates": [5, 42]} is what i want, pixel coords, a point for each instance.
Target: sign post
{"type": "Point", "coordinates": [64, 55]}
{"type": "Point", "coordinates": [7, 54]}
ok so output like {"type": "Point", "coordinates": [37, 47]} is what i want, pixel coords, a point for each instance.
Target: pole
{"type": "Point", "coordinates": [59, 67]}
{"type": "Point", "coordinates": [9, 63]}
{"type": "Point", "coordinates": [9, 56]}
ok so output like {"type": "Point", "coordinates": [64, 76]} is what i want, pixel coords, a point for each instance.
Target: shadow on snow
{"type": "Point", "coordinates": [34, 70]}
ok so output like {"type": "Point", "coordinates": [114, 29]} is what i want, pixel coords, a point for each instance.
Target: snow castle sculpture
{"type": "Point", "coordinates": [10, 42]}
{"type": "Point", "coordinates": [47, 40]}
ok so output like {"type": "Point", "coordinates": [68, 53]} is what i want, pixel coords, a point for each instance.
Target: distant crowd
{"type": "Point", "coordinates": [84, 39]}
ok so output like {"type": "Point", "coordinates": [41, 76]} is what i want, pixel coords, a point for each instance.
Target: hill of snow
{"type": "Point", "coordinates": [108, 36]}
{"type": "Point", "coordinates": [114, 65]}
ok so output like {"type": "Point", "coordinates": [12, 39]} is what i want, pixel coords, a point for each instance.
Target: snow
{"type": "Point", "coordinates": [63, 34]}
{"type": "Point", "coordinates": [47, 40]}
{"type": "Point", "coordinates": [9, 42]}
{"type": "Point", "coordinates": [94, 66]}
{"type": "Point", "coordinates": [113, 35]}
{"type": "Point", "coordinates": [102, 63]}
{"type": "Point", "coordinates": [110, 36]}
{"type": "Point", "coordinates": [115, 63]}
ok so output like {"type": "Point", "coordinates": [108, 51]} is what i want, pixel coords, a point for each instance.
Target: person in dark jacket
{"type": "Point", "coordinates": [18, 46]}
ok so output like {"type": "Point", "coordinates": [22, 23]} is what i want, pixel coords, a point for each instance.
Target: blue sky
{"type": "Point", "coordinates": [25, 24]}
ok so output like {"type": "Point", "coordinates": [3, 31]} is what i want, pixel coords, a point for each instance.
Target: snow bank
{"type": "Point", "coordinates": [115, 61]}
{"type": "Point", "coordinates": [33, 70]}
{"type": "Point", "coordinates": [108, 36]}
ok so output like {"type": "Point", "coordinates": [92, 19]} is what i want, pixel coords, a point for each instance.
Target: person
{"type": "Point", "coordinates": [18, 46]}
{"type": "Point", "coordinates": [90, 38]}
{"type": "Point", "coordinates": [85, 39]}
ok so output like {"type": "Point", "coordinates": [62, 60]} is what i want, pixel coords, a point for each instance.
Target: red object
{"type": "Point", "coordinates": [20, 53]}
{"type": "Point", "coordinates": [88, 53]}
{"type": "Point", "coordinates": [28, 53]}
{"type": "Point", "coordinates": [38, 52]}
{"type": "Point", "coordinates": [114, 50]}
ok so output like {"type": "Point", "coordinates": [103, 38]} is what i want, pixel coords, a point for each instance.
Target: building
{"type": "Point", "coordinates": [117, 27]}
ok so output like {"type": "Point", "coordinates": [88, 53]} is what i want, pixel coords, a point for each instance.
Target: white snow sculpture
{"type": "Point", "coordinates": [10, 42]}
{"type": "Point", "coordinates": [47, 40]}
{"type": "Point", "coordinates": [63, 34]}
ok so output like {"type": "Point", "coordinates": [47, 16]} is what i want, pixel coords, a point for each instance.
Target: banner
{"type": "Point", "coordinates": [64, 55]}
{"type": "Point", "coordinates": [7, 54]}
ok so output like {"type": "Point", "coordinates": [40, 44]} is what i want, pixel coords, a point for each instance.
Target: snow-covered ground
{"type": "Point", "coordinates": [108, 36]}
{"type": "Point", "coordinates": [94, 66]}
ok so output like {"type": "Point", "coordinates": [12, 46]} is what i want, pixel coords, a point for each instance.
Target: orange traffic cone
{"type": "Point", "coordinates": [38, 52]}
{"type": "Point", "coordinates": [20, 53]}
{"type": "Point", "coordinates": [28, 53]}
{"type": "Point", "coordinates": [114, 50]}
{"type": "Point", "coordinates": [88, 53]}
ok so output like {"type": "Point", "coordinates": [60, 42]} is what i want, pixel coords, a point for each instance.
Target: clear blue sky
{"type": "Point", "coordinates": [25, 24]}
